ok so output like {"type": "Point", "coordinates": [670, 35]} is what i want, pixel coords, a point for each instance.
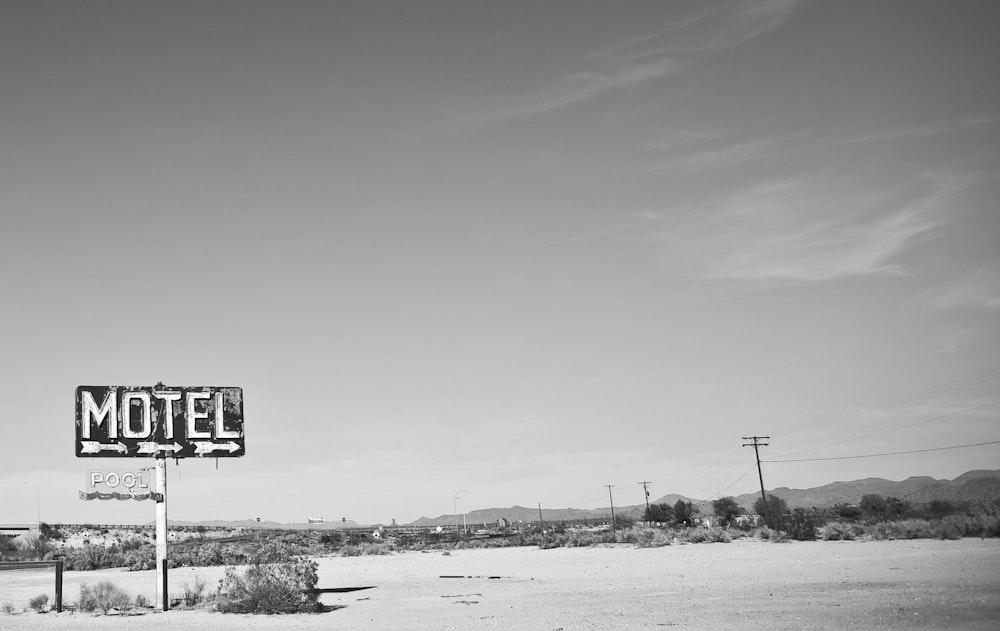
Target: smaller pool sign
{"type": "Point", "coordinates": [118, 480]}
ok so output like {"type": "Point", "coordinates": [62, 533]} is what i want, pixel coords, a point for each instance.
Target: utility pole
{"type": "Point", "coordinates": [614, 532]}
{"type": "Point", "coordinates": [755, 444]}
{"type": "Point", "coordinates": [540, 520]}
{"type": "Point", "coordinates": [647, 492]}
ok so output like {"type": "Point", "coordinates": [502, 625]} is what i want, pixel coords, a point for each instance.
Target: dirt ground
{"type": "Point", "coordinates": [919, 584]}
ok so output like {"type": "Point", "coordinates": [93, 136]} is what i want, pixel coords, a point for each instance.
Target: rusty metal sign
{"type": "Point", "coordinates": [151, 421]}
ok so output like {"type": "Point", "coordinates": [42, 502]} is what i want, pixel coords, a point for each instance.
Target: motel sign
{"type": "Point", "coordinates": [151, 421]}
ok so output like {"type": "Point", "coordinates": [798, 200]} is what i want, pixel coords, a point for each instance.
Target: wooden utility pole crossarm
{"type": "Point", "coordinates": [645, 484]}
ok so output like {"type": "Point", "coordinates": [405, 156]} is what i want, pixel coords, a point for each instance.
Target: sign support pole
{"type": "Point", "coordinates": [162, 598]}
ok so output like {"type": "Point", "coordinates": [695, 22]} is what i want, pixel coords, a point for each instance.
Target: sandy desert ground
{"type": "Point", "coordinates": [919, 584]}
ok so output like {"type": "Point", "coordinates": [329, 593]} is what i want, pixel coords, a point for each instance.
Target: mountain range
{"type": "Point", "coordinates": [970, 486]}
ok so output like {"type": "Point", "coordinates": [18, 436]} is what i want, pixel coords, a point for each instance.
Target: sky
{"type": "Point", "coordinates": [463, 255]}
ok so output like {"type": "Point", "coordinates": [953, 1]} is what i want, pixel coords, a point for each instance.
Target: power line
{"type": "Point", "coordinates": [731, 484]}
{"type": "Point", "coordinates": [892, 429]}
{"type": "Point", "coordinates": [891, 453]}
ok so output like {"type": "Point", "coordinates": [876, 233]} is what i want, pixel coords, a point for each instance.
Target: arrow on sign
{"type": "Point", "coordinates": [94, 447]}
{"type": "Point", "coordinates": [152, 448]}
{"type": "Point", "coordinates": [205, 447]}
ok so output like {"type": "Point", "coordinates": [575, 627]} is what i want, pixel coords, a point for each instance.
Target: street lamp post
{"type": "Point", "coordinates": [38, 504]}
{"type": "Point", "coordinates": [455, 506]}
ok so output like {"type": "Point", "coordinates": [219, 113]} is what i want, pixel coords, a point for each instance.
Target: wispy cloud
{"type": "Point", "coordinates": [977, 289]}
{"type": "Point", "coordinates": [932, 128]}
{"type": "Point", "coordinates": [641, 59]}
{"type": "Point", "coordinates": [730, 155]}
{"type": "Point", "coordinates": [954, 338]}
{"type": "Point", "coordinates": [798, 231]}
{"type": "Point", "coordinates": [683, 138]}
{"type": "Point", "coordinates": [583, 86]}
{"type": "Point", "coordinates": [710, 29]}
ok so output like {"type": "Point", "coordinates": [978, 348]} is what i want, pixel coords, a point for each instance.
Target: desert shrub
{"type": "Point", "coordinates": [132, 543]}
{"type": "Point", "coordinates": [377, 549]}
{"type": "Point", "coordinates": [464, 544]}
{"type": "Point", "coordinates": [937, 509]}
{"type": "Point", "coordinates": [877, 508]}
{"type": "Point", "coordinates": [580, 539]}
{"type": "Point", "coordinates": [194, 593]}
{"type": "Point", "coordinates": [717, 535]}
{"type": "Point", "coordinates": [141, 602]}
{"type": "Point", "coordinates": [983, 524]}
{"type": "Point", "coordinates": [802, 524]}
{"type": "Point", "coordinates": [549, 540]}
{"type": "Point", "coordinates": [39, 603]}
{"type": "Point", "coordinates": [774, 511]}
{"type": "Point", "coordinates": [91, 557]}
{"type": "Point", "coordinates": [952, 529]}
{"type": "Point", "coordinates": [726, 509]}
{"type": "Point", "coordinates": [641, 537]}
{"type": "Point", "coordinates": [209, 555]}
{"type": "Point", "coordinates": [684, 513]}
{"type": "Point", "coordinates": [276, 581]}
{"type": "Point", "coordinates": [769, 534]}
{"type": "Point", "coordinates": [104, 596]}
{"type": "Point", "coordinates": [661, 513]}
{"type": "Point", "coordinates": [35, 545]}
{"type": "Point", "coordinates": [837, 531]}
{"type": "Point", "coordinates": [330, 538]}
{"type": "Point", "coordinates": [8, 608]}
{"type": "Point", "coordinates": [907, 529]}
{"type": "Point", "coordinates": [140, 559]}
{"type": "Point", "coordinates": [235, 555]}
{"type": "Point", "coordinates": [49, 532]}
{"type": "Point", "coordinates": [847, 511]}
{"type": "Point", "coordinates": [705, 535]}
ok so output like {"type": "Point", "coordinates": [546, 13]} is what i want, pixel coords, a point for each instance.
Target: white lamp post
{"type": "Point", "coordinates": [455, 499]}
{"type": "Point", "coordinates": [38, 505]}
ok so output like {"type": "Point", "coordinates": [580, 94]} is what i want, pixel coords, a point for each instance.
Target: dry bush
{"type": "Point", "coordinates": [774, 536]}
{"type": "Point", "coordinates": [647, 537]}
{"type": "Point", "coordinates": [276, 581]}
{"type": "Point", "coordinates": [39, 603]}
{"type": "Point", "coordinates": [366, 549]}
{"type": "Point", "coordinates": [104, 596]}
{"type": "Point", "coordinates": [837, 531]}
{"type": "Point", "coordinates": [705, 535]}
{"type": "Point", "coordinates": [194, 593]}
{"type": "Point", "coordinates": [34, 545]}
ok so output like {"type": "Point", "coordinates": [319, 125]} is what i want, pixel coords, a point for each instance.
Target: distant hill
{"type": "Point", "coordinates": [520, 513]}
{"type": "Point", "coordinates": [973, 485]}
